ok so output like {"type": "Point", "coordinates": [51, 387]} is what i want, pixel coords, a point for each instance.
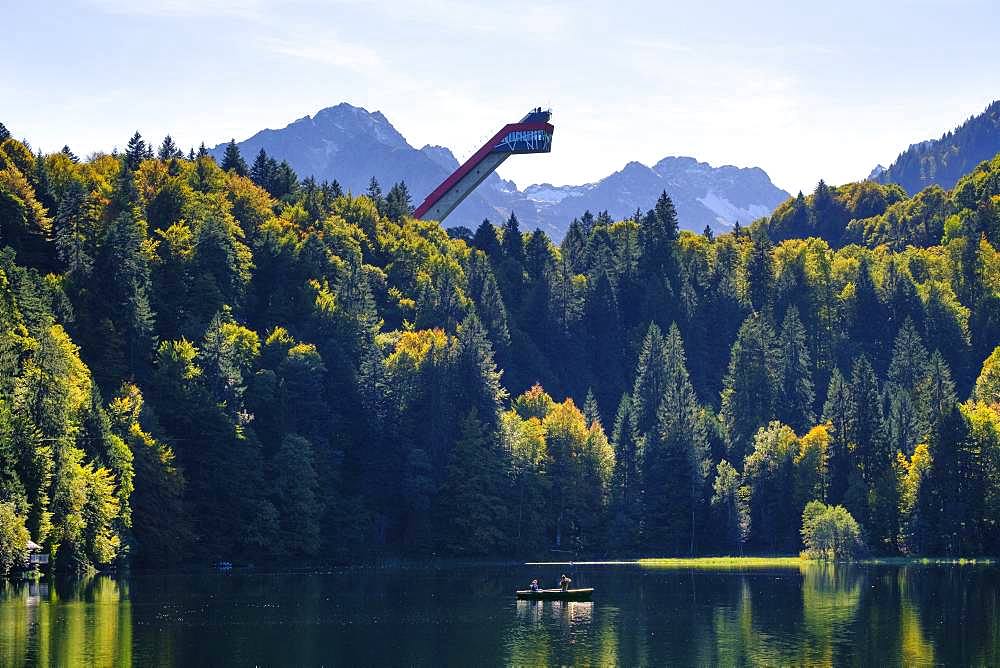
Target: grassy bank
{"type": "Point", "coordinates": [724, 563]}
{"type": "Point", "coordinates": [737, 563]}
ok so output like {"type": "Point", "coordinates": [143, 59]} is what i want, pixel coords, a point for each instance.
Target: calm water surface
{"type": "Point", "coordinates": [467, 616]}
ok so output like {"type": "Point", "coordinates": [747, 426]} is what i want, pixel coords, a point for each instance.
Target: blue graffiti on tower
{"type": "Point", "coordinates": [524, 141]}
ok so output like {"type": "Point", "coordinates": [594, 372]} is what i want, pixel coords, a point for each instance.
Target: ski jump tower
{"type": "Point", "coordinates": [532, 134]}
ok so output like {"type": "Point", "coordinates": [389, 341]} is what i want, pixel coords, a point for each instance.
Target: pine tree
{"type": "Point", "coordinates": [751, 384]}
{"type": "Point", "coordinates": [907, 373]}
{"type": "Point", "coordinates": [69, 154]}
{"type": "Point", "coordinates": [836, 412]}
{"type": "Point", "coordinates": [937, 395]}
{"type": "Point", "coordinates": [397, 203]}
{"type": "Point", "coordinates": [168, 149]}
{"type": "Point", "coordinates": [294, 493]}
{"type": "Point", "coordinates": [485, 239]}
{"type": "Point", "coordinates": [489, 303]}
{"type": "Point", "coordinates": [666, 216]}
{"type": "Point", "coordinates": [591, 413]}
{"type": "Point", "coordinates": [260, 172]}
{"type": "Point", "coordinates": [760, 269]}
{"type": "Point", "coordinates": [478, 383]}
{"type": "Point", "coordinates": [650, 382]}
{"type": "Point", "coordinates": [796, 394]}
{"type": "Point", "coordinates": [135, 153]}
{"type": "Point", "coordinates": [676, 461]}
{"type": "Point", "coordinates": [603, 339]}
{"type": "Point", "coordinates": [4, 132]}
{"type": "Point", "coordinates": [375, 195]}
{"type": "Point", "coordinates": [868, 322]}
{"type": "Point", "coordinates": [472, 499]}
{"type": "Point", "coordinates": [126, 270]}
{"type": "Point", "coordinates": [513, 244]}
{"type": "Point", "coordinates": [41, 184]}
{"type": "Point", "coordinates": [943, 499]}
{"type": "Point", "coordinates": [626, 511]}
{"type": "Point", "coordinates": [284, 181]}
{"type": "Point", "coordinates": [232, 160]}
{"type": "Point", "coordinates": [70, 235]}
{"type": "Point", "coordinates": [658, 266]}
{"type": "Point", "coordinates": [574, 246]}
{"type": "Point", "coordinates": [877, 502]}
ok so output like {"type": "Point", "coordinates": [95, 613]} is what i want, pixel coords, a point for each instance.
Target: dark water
{"type": "Point", "coordinates": [467, 616]}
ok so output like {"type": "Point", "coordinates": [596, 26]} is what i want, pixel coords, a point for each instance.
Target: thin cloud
{"type": "Point", "coordinates": [659, 45]}
{"type": "Point", "coordinates": [328, 51]}
{"type": "Point", "coordinates": [244, 9]}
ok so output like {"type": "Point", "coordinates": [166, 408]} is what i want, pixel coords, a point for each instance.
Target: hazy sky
{"type": "Point", "coordinates": [802, 91]}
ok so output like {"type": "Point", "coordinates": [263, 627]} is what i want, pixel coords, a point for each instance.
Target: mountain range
{"type": "Point", "coordinates": [351, 144]}
{"type": "Point", "coordinates": [943, 161]}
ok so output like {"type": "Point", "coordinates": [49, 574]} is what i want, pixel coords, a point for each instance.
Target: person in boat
{"type": "Point", "coordinates": [534, 585]}
{"type": "Point", "coordinates": [564, 582]}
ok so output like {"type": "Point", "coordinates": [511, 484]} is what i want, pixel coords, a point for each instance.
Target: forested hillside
{"type": "Point", "coordinates": [204, 361]}
{"type": "Point", "coordinates": [944, 161]}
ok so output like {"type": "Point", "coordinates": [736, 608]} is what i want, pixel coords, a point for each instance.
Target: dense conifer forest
{"type": "Point", "coordinates": [202, 361]}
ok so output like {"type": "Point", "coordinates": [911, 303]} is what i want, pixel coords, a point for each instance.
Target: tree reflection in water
{"type": "Point", "coordinates": [816, 615]}
{"type": "Point", "coordinates": [83, 621]}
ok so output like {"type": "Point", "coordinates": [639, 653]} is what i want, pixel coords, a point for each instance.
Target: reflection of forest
{"type": "Point", "coordinates": [83, 622]}
{"type": "Point", "coordinates": [818, 615]}
{"type": "Point", "coordinates": [845, 613]}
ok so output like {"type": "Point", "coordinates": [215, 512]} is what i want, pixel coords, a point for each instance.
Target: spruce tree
{"type": "Point", "coordinates": [135, 152]}
{"type": "Point", "coordinates": [127, 270]}
{"type": "Point", "coordinates": [760, 269]}
{"type": "Point", "coordinates": [70, 234]}
{"type": "Point", "coordinates": [472, 501]}
{"type": "Point", "coordinates": [397, 203]}
{"type": "Point", "coordinates": [168, 149]}
{"type": "Point", "coordinates": [284, 181]}
{"type": "Point", "coordinates": [232, 160]}
{"type": "Point", "coordinates": [485, 239]}
{"type": "Point", "coordinates": [676, 461]}
{"type": "Point", "coordinates": [650, 381]}
{"type": "Point", "coordinates": [603, 338]}
{"type": "Point", "coordinates": [375, 195]}
{"type": "Point", "coordinates": [626, 512]}
{"type": "Point", "coordinates": [868, 324]}
{"type": "Point", "coordinates": [591, 413]}
{"type": "Point", "coordinates": [513, 243]}
{"type": "Point", "coordinates": [260, 172]}
{"type": "Point", "coordinates": [836, 411]}
{"type": "Point", "coordinates": [907, 423]}
{"type": "Point", "coordinates": [796, 394]}
{"type": "Point", "coordinates": [658, 266]}
{"type": "Point", "coordinates": [751, 384]}
{"type": "Point", "coordinates": [574, 246]}
{"type": "Point", "coordinates": [877, 502]}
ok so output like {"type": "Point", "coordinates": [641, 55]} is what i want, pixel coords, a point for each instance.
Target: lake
{"type": "Point", "coordinates": [467, 616]}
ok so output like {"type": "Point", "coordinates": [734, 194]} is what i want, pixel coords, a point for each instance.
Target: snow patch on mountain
{"type": "Point", "coordinates": [728, 213]}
